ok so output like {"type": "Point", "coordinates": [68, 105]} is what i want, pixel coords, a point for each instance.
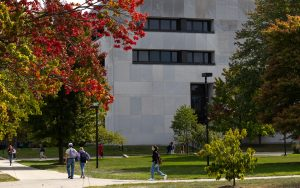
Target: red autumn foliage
{"type": "Point", "coordinates": [61, 40]}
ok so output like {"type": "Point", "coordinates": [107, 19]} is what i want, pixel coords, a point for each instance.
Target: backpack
{"type": "Point", "coordinates": [84, 157]}
{"type": "Point", "coordinates": [159, 160]}
{"type": "Point", "coordinates": [73, 153]}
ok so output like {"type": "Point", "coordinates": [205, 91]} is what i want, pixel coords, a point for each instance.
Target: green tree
{"type": "Point", "coordinates": [183, 124]}
{"type": "Point", "coordinates": [279, 95]}
{"type": "Point", "coordinates": [235, 102]}
{"type": "Point", "coordinates": [68, 118]}
{"type": "Point", "coordinates": [229, 159]}
{"type": "Point", "coordinates": [17, 101]}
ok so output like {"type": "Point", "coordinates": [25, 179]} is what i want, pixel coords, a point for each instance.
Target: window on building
{"type": "Point", "coordinates": [179, 25]}
{"type": "Point", "coordinates": [171, 56]}
{"type": "Point", "coordinates": [198, 101]}
{"type": "Point", "coordinates": [143, 56]}
{"type": "Point", "coordinates": [198, 57]}
{"type": "Point", "coordinates": [199, 26]}
{"type": "Point", "coordinates": [154, 56]}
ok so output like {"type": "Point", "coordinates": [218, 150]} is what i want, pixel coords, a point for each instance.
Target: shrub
{"type": "Point", "coordinates": [229, 159]}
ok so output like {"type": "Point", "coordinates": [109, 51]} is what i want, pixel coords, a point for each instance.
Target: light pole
{"type": "Point", "coordinates": [205, 75]}
{"type": "Point", "coordinates": [96, 106]}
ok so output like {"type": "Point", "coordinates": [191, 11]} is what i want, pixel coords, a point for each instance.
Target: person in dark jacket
{"type": "Point", "coordinates": [10, 151]}
{"type": "Point", "coordinates": [83, 158]}
{"type": "Point", "coordinates": [155, 164]}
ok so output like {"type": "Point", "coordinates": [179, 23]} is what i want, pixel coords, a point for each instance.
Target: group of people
{"type": "Point", "coordinates": [71, 155]}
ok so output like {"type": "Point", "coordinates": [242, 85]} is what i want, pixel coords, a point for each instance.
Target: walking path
{"type": "Point", "coordinates": [35, 178]}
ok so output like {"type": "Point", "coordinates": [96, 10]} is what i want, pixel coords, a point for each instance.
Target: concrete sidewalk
{"type": "Point", "coordinates": [35, 178]}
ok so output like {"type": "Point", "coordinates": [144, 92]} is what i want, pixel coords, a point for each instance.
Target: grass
{"type": "Point", "coordinates": [6, 177]}
{"type": "Point", "coordinates": [269, 183]}
{"type": "Point", "coordinates": [109, 150]}
{"type": "Point", "coordinates": [113, 150]}
{"type": "Point", "coordinates": [176, 166]}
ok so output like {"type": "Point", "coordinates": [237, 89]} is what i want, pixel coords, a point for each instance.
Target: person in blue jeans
{"type": "Point", "coordinates": [155, 164]}
{"type": "Point", "coordinates": [70, 156]}
{"type": "Point", "coordinates": [83, 158]}
{"type": "Point", "coordinates": [10, 152]}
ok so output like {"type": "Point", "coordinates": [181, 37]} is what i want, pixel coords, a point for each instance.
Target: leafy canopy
{"type": "Point", "coordinates": [279, 95]}
{"type": "Point", "coordinates": [45, 45]}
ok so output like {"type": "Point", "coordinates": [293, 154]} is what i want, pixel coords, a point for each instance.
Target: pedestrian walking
{"type": "Point", "coordinates": [100, 150]}
{"type": "Point", "coordinates": [10, 152]}
{"type": "Point", "coordinates": [83, 159]}
{"type": "Point", "coordinates": [170, 148]}
{"type": "Point", "coordinates": [42, 153]}
{"type": "Point", "coordinates": [156, 160]}
{"type": "Point", "coordinates": [70, 155]}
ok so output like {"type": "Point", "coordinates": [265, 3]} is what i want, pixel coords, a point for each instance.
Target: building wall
{"type": "Point", "coordinates": [147, 96]}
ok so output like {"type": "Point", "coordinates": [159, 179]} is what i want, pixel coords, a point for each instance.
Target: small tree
{"type": "Point", "coordinates": [229, 159]}
{"type": "Point", "coordinates": [185, 120]}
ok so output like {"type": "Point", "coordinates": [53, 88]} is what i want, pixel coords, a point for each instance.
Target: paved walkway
{"type": "Point", "coordinates": [35, 178]}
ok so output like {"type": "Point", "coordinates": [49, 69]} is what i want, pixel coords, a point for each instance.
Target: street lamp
{"type": "Point", "coordinates": [205, 75]}
{"type": "Point", "coordinates": [96, 106]}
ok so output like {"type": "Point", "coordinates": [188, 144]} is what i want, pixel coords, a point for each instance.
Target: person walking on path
{"type": "Point", "coordinates": [70, 155]}
{"type": "Point", "coordinates": [10, 152]}
{"type": "Point", "coordinates": [42, 153]}
{"type": "Point", "coordinates": [155, 164]}
{"type": "Point", "coordinates": [83, 158]}
{"type": "Point", "coordinates": [100, 151]}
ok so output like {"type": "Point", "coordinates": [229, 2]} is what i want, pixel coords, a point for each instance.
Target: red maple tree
{"type": "Point", "coordinates": [61, 39]}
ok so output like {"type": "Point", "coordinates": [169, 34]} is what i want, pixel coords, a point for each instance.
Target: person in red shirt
{"type": "Point", "coordinates": [100, 150]}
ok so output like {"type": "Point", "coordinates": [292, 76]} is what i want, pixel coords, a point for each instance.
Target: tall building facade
{"type": "Point", "coordinates": [184, 38]}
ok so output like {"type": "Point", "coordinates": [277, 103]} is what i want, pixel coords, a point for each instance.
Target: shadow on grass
{"type": "Point", "coordinates": [171, 170]}
{"type": "Point", "coordinates": [43, 165]}
{"type": "Point", "coordinates": [181, 158]}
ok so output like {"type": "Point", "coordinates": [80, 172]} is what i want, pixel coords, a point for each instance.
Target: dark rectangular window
{"type": "Point", "coordinates": [198, 101]}
{"type": "Point", "coordinates": [154, 56]}
{"type": "Point", "coordinates": [197, 26]}
{"type": "Point", "coordinates": [143, 56]}
{"type": "Point", "coordinates": [189, 57]}
{"type": "Point", "coordinates": [165, 56]}
{"type": "Point", "coordinates": [198, 57]}
{"type": "Point", "coordinates": [153, 24]}
{"type": "Point", "coordinates": [134, 55]}
{"type": "Point", "coordinates": [172, 56]}
{"type": "Point", "coordinates": [189, 25]}
{"type": "Point", "coordinates": [165, 25]}
{"type": "Point", "coordinates": [179, 25]}
{"type": "Point", "coordinates": [174, 25]}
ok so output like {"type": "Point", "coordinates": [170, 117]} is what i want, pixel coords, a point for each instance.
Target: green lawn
{"type": "Point", "coordinates": [270, 183]}
{"type": "Point", "coordinates": [176, 166]}
{"type": "Point", "coordinates": [6, 177]}
{"type": "Point", "coordinates": [112, 150]}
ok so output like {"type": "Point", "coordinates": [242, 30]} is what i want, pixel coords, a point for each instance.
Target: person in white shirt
{"type": "Point", "coordinates": [70, 155]}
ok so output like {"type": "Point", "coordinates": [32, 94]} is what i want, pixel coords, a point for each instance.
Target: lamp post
{"type": "Point", "coordinates": [205, 75]}
{"type": "Point", "coordinates": [96, 106]}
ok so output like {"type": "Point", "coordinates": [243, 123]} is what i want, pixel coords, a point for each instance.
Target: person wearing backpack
{"type": "Point", "coordinates": [70, 154]}
{"type": "Point", "coordinates": [83, 158]}
{"type": "Point", "coordinates": [156, 160]}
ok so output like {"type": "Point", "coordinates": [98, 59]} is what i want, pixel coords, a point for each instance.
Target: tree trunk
{"type": "Point", "coordinates": [233, 182]}
{"type": "Point", "coordinates": [187, 148]}
{"type": "Point", "coordinates": [61, 151]}
{"type": "Point", "coordinates": [259, 139]}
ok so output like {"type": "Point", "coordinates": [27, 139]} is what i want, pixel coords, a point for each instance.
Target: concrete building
{"type": "Point", "coordinates": [185, 38]}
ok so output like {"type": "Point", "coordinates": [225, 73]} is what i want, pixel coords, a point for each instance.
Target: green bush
{"type": "Point", "coordinates": [229, 159]}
